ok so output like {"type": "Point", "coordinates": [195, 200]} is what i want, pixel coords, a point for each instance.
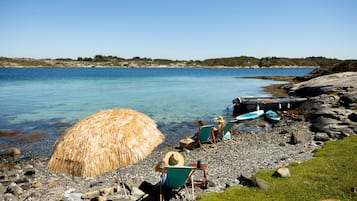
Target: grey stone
{"type": "Point", "coordinates": [321, 137]}
{"type": "Point", "coordinates": [282, 172]}
{"type": "Point", "coordinates": [30, 172]}
{"type": "Point", "coordinates": [262, 184]}
{"type": "Point", "coordinates": [282, 144]}
{"type": "Point", "coordinates": [72, 197]}
{"type": "Point", "coordinates": [353, 117]}
{"type": "Point", "coordinates": [14, 189]}
{"type": "Point", "coordinates": [300, 137]}
{"type": "Point", "coordinates": [22, 180]}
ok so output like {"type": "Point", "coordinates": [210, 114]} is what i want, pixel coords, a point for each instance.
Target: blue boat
{"type": "Point", "coordinates": [272, 116]}
{"type": "Point", "coordinates": [250, 115]}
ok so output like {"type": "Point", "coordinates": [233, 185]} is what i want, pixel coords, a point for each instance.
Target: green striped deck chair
{"type": "Point", "coordinates": [205, 135]}
{"type": "Point", "coordinates": [229, 125]}
{"type": "Point", "coordinates": [175, 178]}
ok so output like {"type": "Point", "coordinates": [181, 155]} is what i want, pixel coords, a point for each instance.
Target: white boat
{"type": "Point", "coordinates": [250, 115]}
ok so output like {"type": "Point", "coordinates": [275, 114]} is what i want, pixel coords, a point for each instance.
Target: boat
{"type": "Point", "coordinates": [250, 115]}
{"type": "Point", "coordinates": [248, 104]}
{"type": "Point", "coordinates": [272, 116]}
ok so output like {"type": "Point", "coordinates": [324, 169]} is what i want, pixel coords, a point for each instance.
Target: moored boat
{"type": "Point", "coordinates": [248, 104]}
{"type": "Point", "coordinates": [250, 115]}
{"type": "Point", "coordinates": [272, 116]}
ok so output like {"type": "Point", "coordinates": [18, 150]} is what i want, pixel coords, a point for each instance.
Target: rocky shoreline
{"type": "Point", "coordinates": [330, 113]}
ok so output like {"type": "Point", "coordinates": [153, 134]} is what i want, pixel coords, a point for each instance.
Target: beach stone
{"type": "Point", "coordinates": [261, 183]}
{"type": "Point", "coordinates": [72, 197]}
{"type": "Point", "coordinates": [2, 188]}
{"type": "Point", "coordinates": [14, 189]}
{"type": "Point", "coordinates": [34, 196]}
{"type": "Point", "coordinates": [302, 136]}
{"type": "Point", "coordinates": [25, 186]}
{"type": "Point", "coordinates": [106, 191]}
{"type": "Point", "coordinates": [282, 144]}
{"type": "Point", "coordinates": [90, 194]}
{"type": "Point", "coordinates": [321, 137]}
{"type": "Point", "coordinates": [36, 184]}
{"type": "Point", "coordinates": [53, 182]}
{"type": "Point", "coordinates": [282, 172]}
{"type": "Point", "coordinates": [353, 117]}
{"type": "Point", "coordinates": [14, 177]}
{"type": "Point", "coordinates": [99, 198]}
{"type": "Point", "coordinates": [13, 152]}
{"type": "Point", "coordinates": [22, 180]}
{"type": "Point", "coordinates": [30, 173]}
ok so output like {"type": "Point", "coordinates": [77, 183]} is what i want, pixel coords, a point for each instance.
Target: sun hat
{"type": "Point", "coordinates": [174, 158]}
{"type": "Point", "coordinates": [219, 119]}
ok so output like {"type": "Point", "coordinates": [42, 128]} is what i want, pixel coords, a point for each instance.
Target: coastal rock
{"type": "Point", "coordinates": [300, 137]}
{"type": "Point", "coordinates": [261, 183]}
{"type": "Point", "coordinates": [321, 137]}
{"type": "Point", "coordinates": [282, 172]}
{"type": "Point", "coordinates": [330, 107]}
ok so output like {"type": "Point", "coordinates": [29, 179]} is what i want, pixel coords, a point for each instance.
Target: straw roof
{"type": "Point", "coordinates": [105, 141]}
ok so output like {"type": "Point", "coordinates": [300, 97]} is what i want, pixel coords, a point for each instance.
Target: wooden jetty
{"type": "Point", "coordinates": [248, 104]}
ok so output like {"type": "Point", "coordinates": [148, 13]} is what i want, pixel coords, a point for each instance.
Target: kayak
{"type": "Point", "coordinates": [272, 116]}
{"type": "Point", "coordinates": [250, 115]}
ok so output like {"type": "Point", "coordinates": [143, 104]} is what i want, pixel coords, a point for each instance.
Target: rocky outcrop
{"type": "Point", "coordinates": [343, 66]}
{"type": "Point", "coordinates": [332, 105]}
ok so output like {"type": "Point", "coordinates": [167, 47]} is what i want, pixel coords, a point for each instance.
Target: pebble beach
{"type": "Point", "coordinates": [226, 162]}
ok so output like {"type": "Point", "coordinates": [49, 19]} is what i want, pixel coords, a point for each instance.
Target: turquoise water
{"type": "Point", "coordinates": [37, 99]}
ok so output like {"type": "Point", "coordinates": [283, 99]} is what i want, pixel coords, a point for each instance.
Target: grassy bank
{"type": "Point", "coordinates": [332, 173]}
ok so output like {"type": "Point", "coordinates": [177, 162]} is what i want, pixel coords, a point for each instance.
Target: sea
{"type": "Point", "coordinates": [39, 104]}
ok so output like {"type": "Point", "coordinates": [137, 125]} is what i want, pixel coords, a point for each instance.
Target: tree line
{"type": "Point", "coordinates": [241, 61]}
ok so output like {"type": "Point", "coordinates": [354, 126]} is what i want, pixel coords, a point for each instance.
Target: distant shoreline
{"type": "Point", "coordinates": [100, 61]}
{"type": "Point", "coordinates": [208, 67]}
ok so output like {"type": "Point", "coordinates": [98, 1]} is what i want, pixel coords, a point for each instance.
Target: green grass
{"type": "Point", "coordinates": [330, 174]}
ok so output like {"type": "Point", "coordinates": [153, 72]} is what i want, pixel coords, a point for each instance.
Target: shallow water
{"type": "Point", "coordinates": [49, 100]}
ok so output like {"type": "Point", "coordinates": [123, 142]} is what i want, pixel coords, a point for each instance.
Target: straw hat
{"type": "Point", "coordinates": [173, 158]}
{"type": "Point", "coordinates": [219, 119]}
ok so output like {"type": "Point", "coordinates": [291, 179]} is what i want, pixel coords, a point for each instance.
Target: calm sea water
{"type": "Point", "coordinates": [49, 100]}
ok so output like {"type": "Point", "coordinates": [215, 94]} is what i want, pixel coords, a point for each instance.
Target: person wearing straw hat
{"type": "Point", "coordinates": [172, 158]}
{"type": "Point", "coordinates": [221, 125]}
{"type": "Point", "coordinates": [199, 123]}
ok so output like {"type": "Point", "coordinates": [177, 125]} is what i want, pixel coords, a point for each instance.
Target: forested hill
{"type": "Point", "coordinates": [113, 61]}
{"type": "Point", "coordinates": [269, 61]}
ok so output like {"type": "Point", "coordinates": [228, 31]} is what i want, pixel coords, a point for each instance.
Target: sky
{"type": "Point", "coordinates": [178, 29]}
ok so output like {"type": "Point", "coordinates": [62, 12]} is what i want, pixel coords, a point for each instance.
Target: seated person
{"type": "Point", "coordinates": [172, 158]}
{"type": "Point", "coordinates": [221, 125]}
{"type": "Point", "coordinates": [200, 124]}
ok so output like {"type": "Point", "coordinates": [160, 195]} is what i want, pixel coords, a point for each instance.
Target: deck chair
{"type": "Point", "coordinates": [223, 135]}
{"type": "Point", "coordinates": [175, 178]}
{"type": "Point", "coordinates": [206, 135]}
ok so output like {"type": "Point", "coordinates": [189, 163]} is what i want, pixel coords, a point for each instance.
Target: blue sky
{"type": "Point", "coordinates": [181, 29]}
